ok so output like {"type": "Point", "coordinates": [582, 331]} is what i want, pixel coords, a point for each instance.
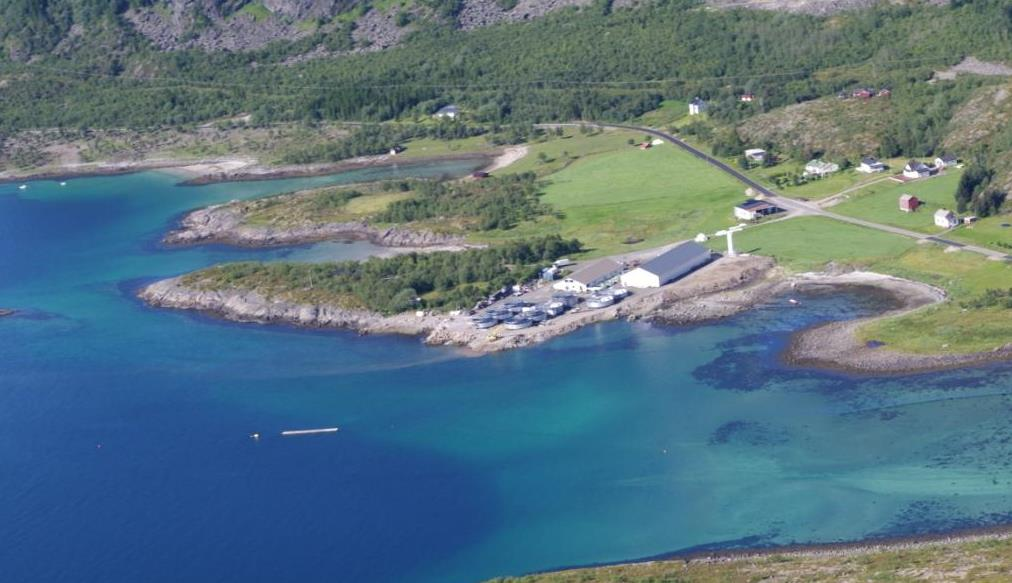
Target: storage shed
{"type": "Point", "coordinates": [591, 277]}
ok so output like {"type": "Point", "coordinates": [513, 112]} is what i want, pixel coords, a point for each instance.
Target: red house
{"type": "Point", "coordinates": [863, 93]}
{"type": "Point", "coordinates": [747, 97]}
{"type": "Point", "coordinates": [909, 203]}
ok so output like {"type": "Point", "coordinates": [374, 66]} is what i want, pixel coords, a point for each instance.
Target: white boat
{"type": "Point", "coordinates": [23, 187]}
{"type": "Point", "coordinates": [600, 301]}
{"type": "Point", "coordinates": [63, 184]}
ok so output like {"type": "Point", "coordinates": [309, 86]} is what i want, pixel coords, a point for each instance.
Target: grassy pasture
{"type": "Point", "coordinates": [879, 202]}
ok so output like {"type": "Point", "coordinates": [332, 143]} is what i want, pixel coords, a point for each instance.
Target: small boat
{"type": "Point", "coordinates": [792, 301]}
{"type": "Point", "coordinates": [618, 292]}
{"type": "Point", "coordinates": [518, 323]}
{"type": "Point", "coordinates": [601, 301]}
{"type": "Point", "coordinates": [63, 184]}
{"type": "Point", "coordinates": [485, 323]}
{"type": "Point", "coordinates": [23, 187]}
{"type": "Point", "coordinates": [254, 436]}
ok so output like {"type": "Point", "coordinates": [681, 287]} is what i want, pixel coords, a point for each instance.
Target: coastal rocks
{"type": "Point", "coordinates": [836, 345]}
{"type": "Point", "coordinates": [224, 224]}
{"type": "Point", "coordinates": [455, 330]}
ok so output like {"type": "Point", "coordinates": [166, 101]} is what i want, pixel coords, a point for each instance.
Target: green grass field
{"type": "Point", "coordinates": [987, 232]}
{"type": "Point", "coordinates": [427, 147]}
{"type": "Point", "coordinates": [880, 202]}
{"type": "Point", "coordinates": [825, 187]}
{"type": "Point", "coordinates": [809, 243]}
{"type": "Point", "coordinates": [947, 327]}
{"type": "Point", "coordinates": [613, 194]}
{"type": "Point", "coordinates": [667, 115]}
{"type": "Point", "coordinates": [573, 146]}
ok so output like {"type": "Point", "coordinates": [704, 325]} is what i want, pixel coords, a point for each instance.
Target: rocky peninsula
{"type": "Point", "coordinates": [720, 289]}
{"type": "Point", "coordinates": [725, 287]}
{"type": "Point", "coordinates": [225, 223]}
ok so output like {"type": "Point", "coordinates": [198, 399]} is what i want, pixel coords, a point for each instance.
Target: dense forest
{"type": "Point", "coordinates": [390, 285]}
{"type": "Point", "coordinates": [555, 68]}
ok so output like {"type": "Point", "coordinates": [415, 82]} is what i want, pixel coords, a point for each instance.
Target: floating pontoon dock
{"type": "Point", "coordinates": [310, 431]}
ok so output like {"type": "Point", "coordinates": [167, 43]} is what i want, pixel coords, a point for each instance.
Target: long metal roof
{"type": "Point", "coordinates": [675, 259]}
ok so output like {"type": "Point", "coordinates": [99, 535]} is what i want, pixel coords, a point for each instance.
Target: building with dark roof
{"type": "Point", "coordinates": [668, 266]}
{"type": "Point", "coordinates": [590, 277]}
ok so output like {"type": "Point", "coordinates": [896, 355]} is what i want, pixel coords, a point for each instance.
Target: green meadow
{"type": "Point", "coordinates": [810, 243]}
{"type": "Point", "coordinates": [879, 202]}
{"type": "Point", "coordinates": [615, 197]}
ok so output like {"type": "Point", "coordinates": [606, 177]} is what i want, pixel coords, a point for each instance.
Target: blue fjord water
{"type": "Point", "coordinates": [124, 453]}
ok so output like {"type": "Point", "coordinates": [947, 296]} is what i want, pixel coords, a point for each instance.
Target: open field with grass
{"type": "Point", "coordinates": [561, 151]}
{"type": "Point", "coordinates": [988, 232]}
{"type": "Point", "coordinates": [809, 243]}
{"type": "Point", "coordinates": [429, 147]}
{"type": "Point", "coordinates": [615, 197]}
{"type": "Point", "coordinates": [821, 188]}
{"type": "Point", "coordinates": [667, 115]}
{"type": "Point", "coordinates": [327, 205]}
{"type": "Point", "coordinates": [947, 327]}
{"type": "Point", "coordinates": [986, 560]}
{"type": "Point", "coordinates": [880, 202]}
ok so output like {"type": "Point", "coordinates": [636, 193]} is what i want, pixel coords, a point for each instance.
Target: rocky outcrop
{"type": "Point", "coordinates": [816, 7]}
{"type": "Point", "coordinates": [479, 13]}
{"type": "Point", "coordinates": [225, 224]}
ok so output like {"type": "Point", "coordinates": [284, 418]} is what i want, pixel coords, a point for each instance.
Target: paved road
{"type": "Point", "coordinates": [799, 207]}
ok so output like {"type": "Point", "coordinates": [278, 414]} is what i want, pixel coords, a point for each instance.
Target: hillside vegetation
{"type": "Point", "coordinates": [987, 560]}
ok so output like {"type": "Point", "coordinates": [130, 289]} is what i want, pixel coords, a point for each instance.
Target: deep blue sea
{"type": "Point", "coordinates": [125, 456]}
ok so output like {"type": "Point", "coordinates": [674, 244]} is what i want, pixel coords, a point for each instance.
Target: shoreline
{"type": "Point", "coordinates": [723, 288]}
{"type": "Point", "coordinates": [836, 345]}
{"type": "Point", "coordinates": [799, 550]}
{"type": "Point", "coordinates": [701, 296]}
{"type": "Point", "coordinates": [196, 172]}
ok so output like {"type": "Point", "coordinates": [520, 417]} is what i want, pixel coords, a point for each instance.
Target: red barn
{"type": "Point", "coordinates": [909, 203]}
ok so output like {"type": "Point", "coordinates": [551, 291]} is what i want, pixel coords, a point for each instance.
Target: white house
{"type": "Point", "coordinates": [753, 209]}
{"type": "Point", "coordinates": [591, 277]}
{"type": "Point", "coordinates": [667, 266]}
{"type": "Point", "coordinates": [946, 219]}
{"type": "Point", "coordinates": [755, 155]}
{"type": "Point", "coordinates": [870, 165]}
{"type": "Point", "coordinates": [697, 106]}
{"type": "Point", "coordinates": [915, 169]}
{"type": "Point", "coordinates": [946, 161]}
{"type": "Point", "coordinates": [820, 168]}
{"type": "Point", "coordinates": [447, 112]}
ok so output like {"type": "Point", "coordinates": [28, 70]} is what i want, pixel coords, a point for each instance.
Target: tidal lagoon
{"type": "Point", "coordinates": [124, 430]}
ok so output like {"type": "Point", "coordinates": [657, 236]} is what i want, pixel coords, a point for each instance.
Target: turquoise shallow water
{"type": "Point", "coordinates": [123, 430]}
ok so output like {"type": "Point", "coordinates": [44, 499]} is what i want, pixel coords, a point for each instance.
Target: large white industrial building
{"type": "Point", "coordinates": [667, 266]}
